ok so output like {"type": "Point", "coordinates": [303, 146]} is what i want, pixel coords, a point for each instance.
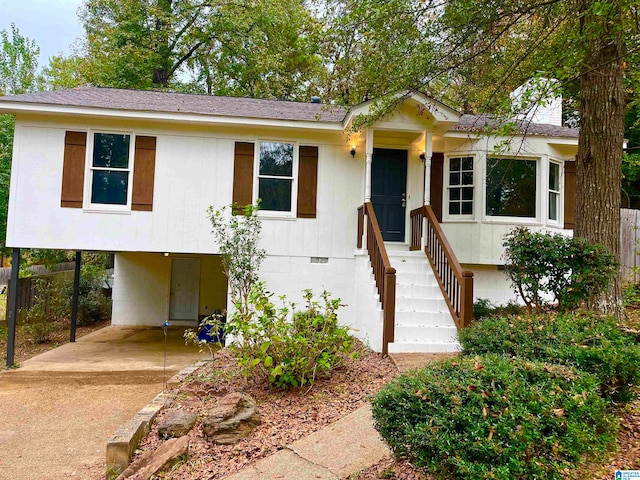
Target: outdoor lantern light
{"type": "Point", "coordinates": [422, 157]}
{"type": "Point", "coordinates": [166, 254]}
{"type": "Point", "coordinates": [353, 151]}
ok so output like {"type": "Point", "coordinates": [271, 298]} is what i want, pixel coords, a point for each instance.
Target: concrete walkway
{"type": "Point", "coordinates": [343, 448]}
{"type": "Point", "coordinates": [59, 408]}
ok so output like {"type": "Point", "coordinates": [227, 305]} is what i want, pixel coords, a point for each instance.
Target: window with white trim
{"type": "Point", "coordinates": [511, 187]}
{"type": "Point", "coordinates": [460, 187]}
{"type": "Point", "coordinates": [276, 176]}
{"type": "Point", "coordinates": [110, 169]}
{"type": "Point", "coordinates": [554, 191]}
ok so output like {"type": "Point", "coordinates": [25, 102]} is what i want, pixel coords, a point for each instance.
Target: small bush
{"type": "Point", "coordinates": [40, 331]}
{"type": "Point", "coordinates": [493, 417]}
{"type": "Point", "coordinates": [586, 341]}
{"type": "Point", "coordinates": [554, 267]}
{"type": "Point", "coordinates": [93, 305]}
{"type": "Point", "coordinates": [631, 294]}
{"type": "Point", "coordinates": [290, 347]}
{"type": "Point", "coordinates": [484, 308]}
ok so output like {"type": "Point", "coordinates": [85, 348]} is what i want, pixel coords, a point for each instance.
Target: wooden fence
{"type": "Point", "coordinates": [28, 287]}
{"type": "Point", "coordinates": [629, 246]}
{"type": "Point", "coordinates": [5, 272]}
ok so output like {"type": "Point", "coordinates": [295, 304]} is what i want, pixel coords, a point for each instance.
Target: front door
{"type": "Point", "coordinates": [185, 286]}
{"type": "Point", "coordinates": [389, 191]}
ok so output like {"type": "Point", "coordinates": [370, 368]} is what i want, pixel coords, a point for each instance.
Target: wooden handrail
{"type": "Point", "coordinates": [383, 272]}
{"type": "Point", "coordinates": [455, 283]}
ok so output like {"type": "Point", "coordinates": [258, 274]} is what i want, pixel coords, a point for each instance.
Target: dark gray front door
{"type": "Point", "coordinates": [388, 191]}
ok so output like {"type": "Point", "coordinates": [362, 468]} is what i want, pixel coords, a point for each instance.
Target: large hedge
{"type": "Point", "coordinates": [494, 417]}
{"type": "Point", "coordinates": [586, 341]}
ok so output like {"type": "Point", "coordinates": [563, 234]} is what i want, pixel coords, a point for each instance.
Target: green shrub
{"type": "Point", "coordinates": [631, 294]}
{"type": "Point", "coordinates": [586, 341]}
{"type": "Point", "coordinates": [484, 308]}
{"type": "Point", "coordinates": [93, 305]}
{"type": "Point", "coordinates": [290, 347]}
{"type": "Point", "coordinates": [40, 331]}
{"type": "Point", "coordinates": [552, 267]}
{"type": "Point", "coordinates": [494, 417]}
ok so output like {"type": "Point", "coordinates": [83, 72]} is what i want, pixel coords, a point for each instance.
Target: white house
{"type": "Point", "coordinates": [133, 172]}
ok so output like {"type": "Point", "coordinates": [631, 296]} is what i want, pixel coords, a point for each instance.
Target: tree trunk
{"type": "Point", "coordinates": [599, 160]}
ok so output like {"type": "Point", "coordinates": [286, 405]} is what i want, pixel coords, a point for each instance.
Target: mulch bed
{"type": "Point", "coordinates": [25, 348]}
{"type": "Point", "coordinates": [286, 416]}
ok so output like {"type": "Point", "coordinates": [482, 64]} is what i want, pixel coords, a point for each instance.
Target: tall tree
{"type": "Point", "coordinates": [18, 74]}
{"type": "Point", "coordinates": [254, 48]}
{"type": "Point", "coordinates": [143, 43]}
{"type": "Point", "coordinates": [18, 62]}
{"type": "Point", "coordinates": [263, 49]}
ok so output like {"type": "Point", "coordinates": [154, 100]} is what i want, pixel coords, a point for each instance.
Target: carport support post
{"type": "Point", "coordinates": [13, 306]}
{"type": "Point", "coordinates": [76, 293]}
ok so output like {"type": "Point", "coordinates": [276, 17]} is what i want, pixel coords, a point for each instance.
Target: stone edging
{"type": "Point", "coordinates": [122, 445]}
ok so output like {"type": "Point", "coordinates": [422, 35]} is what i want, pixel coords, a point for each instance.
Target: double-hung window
{"type": "Point", "coordinates": [554, 191]}
{"type": "Point", "coordinates": [110, 169]}
{"type": "Point", "coordinates": [276, 167]}
{"type": "Point", "coordinates": [460, 186]}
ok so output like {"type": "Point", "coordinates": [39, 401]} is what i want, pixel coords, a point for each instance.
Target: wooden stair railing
{"type": "Point", "coordinates": [384, 273]}
{"type": "Point", "coordinates": [456, 284]}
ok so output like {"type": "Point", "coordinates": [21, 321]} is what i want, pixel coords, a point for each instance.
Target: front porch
{"type": "Point", "coordinates": [424, 293]}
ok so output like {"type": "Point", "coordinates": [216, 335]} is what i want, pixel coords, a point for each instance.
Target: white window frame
{"type": "Point", "coordinates": [535, 220]}
{"type": "Point", "coordinates": [294, 177]}
{"type": "Point", "coordinates": [559, 193]}
{"type": "Point", "coordinates": [89, 168]}
{"type": "Point", "coordinates": [447, 186]}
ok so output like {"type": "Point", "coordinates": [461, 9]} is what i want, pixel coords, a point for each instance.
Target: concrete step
{"type": "Point", "coordinates": [428, 303]}
{"type": "Point", "coordinates": [412, 266]}
{"type": "Point", "coordinates": [424, 279]}
{"type": "Point", "coordinates": [416, 317]}
{"type": "Point", "coordinates": [418, 291]}
{"type": "Point", "coordinates": [426, 333]}
{"type": "Point", "coordinates": [419, 347]}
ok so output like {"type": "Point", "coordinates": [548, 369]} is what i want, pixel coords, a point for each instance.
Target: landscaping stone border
{"type": "Point", "coordinates": [122, 445]}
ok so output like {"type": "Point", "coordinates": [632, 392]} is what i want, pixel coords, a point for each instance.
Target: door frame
{"type": "Point", "coordinates": [185, 257]}
{"type": "Point", "coordinates": [407, 213]}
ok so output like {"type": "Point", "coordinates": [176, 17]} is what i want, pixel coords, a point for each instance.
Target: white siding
{"type": "Point", "coordinates": [194, 169]}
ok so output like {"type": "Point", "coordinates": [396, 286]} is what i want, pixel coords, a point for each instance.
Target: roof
{"type": "Point", "coordinates": [240, 107]}
{"type": "Point", "coordinates": [475, 123]}
{"type": "Point", "coordinates": [169, 102]}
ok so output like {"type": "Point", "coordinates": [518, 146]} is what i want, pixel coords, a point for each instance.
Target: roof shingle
{"type": "Point", "coordinates": [168, 102]}
{"type": "Point", "coordinates": [476, 123]}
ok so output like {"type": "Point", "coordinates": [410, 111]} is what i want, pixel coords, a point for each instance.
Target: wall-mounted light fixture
{"type": "Point", "coordinates": [422, 156]}
{"type": "Point", "coordinates": [353, 151]}
{"type": "Point", "coordinates": [165, 254]}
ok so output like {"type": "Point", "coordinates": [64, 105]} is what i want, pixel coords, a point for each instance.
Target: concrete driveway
{"type": "Point", "coordinates": [59, 408]}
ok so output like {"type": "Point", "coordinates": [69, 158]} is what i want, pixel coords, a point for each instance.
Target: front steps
{"type": "Point", "coordinates": [423, 322]}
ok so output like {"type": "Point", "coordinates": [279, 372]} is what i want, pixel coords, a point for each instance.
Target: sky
{"type": "Point", "coordinates": [53, 24]}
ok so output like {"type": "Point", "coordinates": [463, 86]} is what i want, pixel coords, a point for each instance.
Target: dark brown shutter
{"type": "Point", "coordinates": [569, 194]}
{"type": "Point", "coordinates": [437, 168]}
{"type": "Point", "coordinates": [144, 168]}
{"type": "Point", "coordinates": [307, 182]}
{"type": "Point", "coordinates": [75, 150]}
{"type": "Point", "coordinates": [243, 175]}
